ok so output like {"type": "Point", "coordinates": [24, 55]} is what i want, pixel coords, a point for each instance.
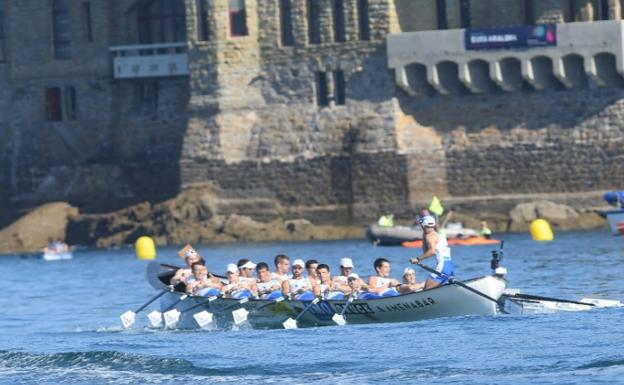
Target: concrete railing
{"type": "Point", "coordinates": [150, 60]}
{"type": "Point", "coordinates": [438, 60]}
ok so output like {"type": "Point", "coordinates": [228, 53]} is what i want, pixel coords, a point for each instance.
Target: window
{"type": "Point", "coordinates": [339, 20]}
{"type": "Point", "coordinates": [464, 13]}
{"type": "Point", "coordinates": [162, 21]}
{"type": "Point", "coordinates": [238, 18]}
{"type": "Point", "coordinates": [339, 88]}
{"type": "Point", "coordinates": [86, 22]}
{"type": "Point", "coordinates": [146, 99]}
{"type": "Point", "coordinates": [571, 11]}
{"type": "Point", "coordinates": [53, 104]}
{"type": "Point", "coordinates": [60, 30]}
{"type": "Point", "coordinates": [69, 101]}
{"type": "Point", "coordinates": [363, 20]}
{"type": "Point", "coordinates": [603, 10]}
{"type": "Point", "coordinates": [322, 98]}
{"type": "Point", "coordinates": [528, 12]}
{"type": "Point", "coordinates": [203, 32]}
{"type": "Point", "coordinates": [2, 57]}
{"type": "Point", "coordinates": [286, 22]}
{"type": "Point", "coordinates": [314, 23]}
{"type": "Point", "coordinates": [441, 14]}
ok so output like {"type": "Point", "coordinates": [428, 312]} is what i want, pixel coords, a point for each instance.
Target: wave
{"type": "Point", "coordinates": [138, 363]}
{"type": "Point", "coordinates": [603, 364]}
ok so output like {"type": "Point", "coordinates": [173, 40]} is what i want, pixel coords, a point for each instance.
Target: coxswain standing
{"type": "Point", "coordinates": [435, 243]}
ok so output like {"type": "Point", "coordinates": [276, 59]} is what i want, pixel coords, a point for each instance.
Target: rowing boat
{"type": "Point", "coordinates": [443, 301]}
{"type": "Point", "coordinates": [472, 241]}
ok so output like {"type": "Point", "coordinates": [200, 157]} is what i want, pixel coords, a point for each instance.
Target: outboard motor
{"type": "Point", "coordinates": [495, 263]}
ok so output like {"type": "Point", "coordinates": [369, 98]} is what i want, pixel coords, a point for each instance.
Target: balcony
{"type": "Point", "coordinates": [438, 62]}
{"type": "Point", "coordinates": [151, 60]}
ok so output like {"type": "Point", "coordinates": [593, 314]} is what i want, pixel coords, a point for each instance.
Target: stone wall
{"type": "Point", "coordinates": [247, 122]}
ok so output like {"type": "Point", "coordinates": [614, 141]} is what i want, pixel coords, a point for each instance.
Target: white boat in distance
{"type": "Point", "coordinates": [443, 301]}
{"type": "Point", "coordinates": [53, 256]}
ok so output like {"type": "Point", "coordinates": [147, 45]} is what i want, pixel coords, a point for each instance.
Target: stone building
{"type": "Point", "coordinates": [329, 110]}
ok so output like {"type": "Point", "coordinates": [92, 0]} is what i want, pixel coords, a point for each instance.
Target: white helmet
{"type": "Point", "coordinates": [427, 221]}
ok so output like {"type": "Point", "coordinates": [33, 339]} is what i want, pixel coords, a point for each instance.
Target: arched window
{"type": "Point", "coordinates": [60, 30]}
{"type": "Point", "coordinates": [162, 21]}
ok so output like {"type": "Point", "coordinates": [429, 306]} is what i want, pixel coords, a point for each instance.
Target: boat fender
{"type": "Point", "coordinates": [209, 292]}
{"type": "Point", "coordinates": [306, 296]}
{"type": "Point", "coordinates": [240, 294]}
{"type": "Point", "coordinates": [274, 295]}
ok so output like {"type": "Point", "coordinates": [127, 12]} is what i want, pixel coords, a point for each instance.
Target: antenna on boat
{"type": "Point", "coordinates": [497, 257]}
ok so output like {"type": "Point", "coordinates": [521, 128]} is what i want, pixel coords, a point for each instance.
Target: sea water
{"type": "Point", "coordinates": [59, 323]}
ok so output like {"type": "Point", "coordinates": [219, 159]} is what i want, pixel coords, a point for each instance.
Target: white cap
{"type": "Point", "coordinates": [299, 262]}
{"type": "Point", "coordinates": [189, 253]}
{"type": "Point", "coordinates": [428, 221]}
{"type": "Point", "coordinates": [346, 262]}
{"type": "Point", "coordinates": [232, 268]}
{"type": "Point", "coordinates": [353, 275]}
{"type": "Point", "coordinates": [409, 270]}
{"type": "Point", "coordinates": [248, 265]}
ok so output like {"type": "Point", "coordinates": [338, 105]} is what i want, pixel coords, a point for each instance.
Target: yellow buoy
{"type": "Point", "coordinates": [145, 248]}
{"type": "Point", "coordinates": [541, 230]}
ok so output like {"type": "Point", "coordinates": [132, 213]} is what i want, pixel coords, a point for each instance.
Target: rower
{"type": "Point", "coordinates": [245, 270]}
{"type": "Point", "coordinates": [381, 285]}
{"type": "Point", "coordinates": [311, 266]}
{"type": "Point", "coordinates": [299, 287]}
{"type": "Point", "coordinates": [236, 288]}
{"type": "Point", "coordinates": [190, 257]}
{"type": "Point", "coordinates": [282, 263]}
{"type": "Point", "coordinates": [202, 283]}
{"type": "Point", "coordinates": [328, 288]}
{"type": "Point", "coordinates": [410, 284]}
{"type": "Point", "coordinates": [357, 287]}
{"type": "Point", "coordinates": [346, 268]}
{"type": "Point", "coordinates": [435, 244]}
{"type": "Point", "coordinates": [268, 287]}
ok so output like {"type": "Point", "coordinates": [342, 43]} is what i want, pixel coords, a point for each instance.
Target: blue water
{"type": "Point", "coordinates": [59, 324]}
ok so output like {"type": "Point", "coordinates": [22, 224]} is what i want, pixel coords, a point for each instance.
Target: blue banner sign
{"type": "Point", "coordinates": [513, 37]}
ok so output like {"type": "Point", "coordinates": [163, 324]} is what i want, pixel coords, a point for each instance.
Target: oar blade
{"type": "Point", "coordinates": [128, 318]}
{"type": "Point", "coordinates": [171, 317]}
{"type": "Point", "coordinates": [203, 318]}
{"type": "Point", "coordinates": [290, 324]}
{"type": "Point", "coordinates": [339, 319]}
{"type": "Point", "coordinates": [155, 318]}
{"type": "Point", "coordinates": [602, 302]}
{"type": "Point", "coordinates": [240, 316]}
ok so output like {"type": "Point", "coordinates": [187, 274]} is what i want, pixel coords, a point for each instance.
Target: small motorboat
{"type": "Point", "coordinates": [615, 217]}
{"type": "Point", "coordinates": [49, 255]}
{"type": "Point", "coordinates": [472, 241]}
{"type": "Point", "coordinates": [398, 235]}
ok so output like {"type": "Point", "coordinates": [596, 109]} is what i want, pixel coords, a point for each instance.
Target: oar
{"type": "Point", "coordinates": [461, 284]}
{"type": "Point", "coordinates": [204, 317]}
{"type": "Point", "coordinates": [241, 315]}
{"type": "Point", "coordinates": [203, 321]}
{"type": "Point", "coordinates": [339, 318]}
{"type": "Point", "coordinates": [540, 298]}
{"type": "Point", "coordinates": [292, 323]}
{"type": "Point", "coordinates": [171, 314]}
{"type": "Point", "coordinates": [128, 318]}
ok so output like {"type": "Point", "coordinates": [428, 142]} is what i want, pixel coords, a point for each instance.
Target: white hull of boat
{"type": "Point", "coordinates": [616, 221]}
{"type": "Point", "coordinates": [57, 256]}
{"type": "Point", "coordinates": [444, 301]}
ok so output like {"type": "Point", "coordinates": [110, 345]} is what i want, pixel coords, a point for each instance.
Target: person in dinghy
{"type": "Point", "coordinates": [435, 244]}
{"type": "Point", "coordinates": [298, 286]}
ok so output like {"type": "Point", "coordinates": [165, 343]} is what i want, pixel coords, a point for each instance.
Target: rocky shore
{"type": "Point", "coordinates": [192, 217]}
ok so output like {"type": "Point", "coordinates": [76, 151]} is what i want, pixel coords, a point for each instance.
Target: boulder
{"type": "Point", "coordinates": [560, 216]}
{"type": "Point", "coordinates": [32, 232]}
